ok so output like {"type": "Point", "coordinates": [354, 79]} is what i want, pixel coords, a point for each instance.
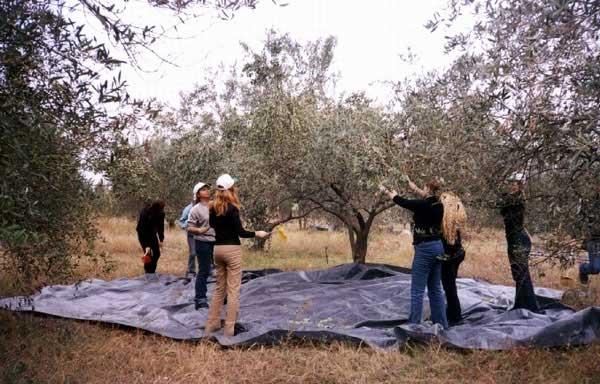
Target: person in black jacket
{"type": "Point", "coordinates": [427, 234]}
{"type": "Point", "coordinates": [512, 209]}
{"type": "Point", "coordinates": [453, 226]}
{"type": "Point", "coordinates": [151, 230]}
{"type": "Point", "coordinates": [224, 218]}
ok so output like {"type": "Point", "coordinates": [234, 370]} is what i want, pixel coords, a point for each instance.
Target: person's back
{"type": "Point", "coordinates": [428, 213]}
{"type": "Point", "coordinates": [224, 218]}
{"type": "Point", "coordinates": [512, 209]}
{"type": "Point", "coordinates": [453, 224]}
{"type": "Point", "coordinates": [427, 217]}
{"type": "Point", "coordinates": [228, 227]}
{"type": "Point", "coordinates": [150, 229]}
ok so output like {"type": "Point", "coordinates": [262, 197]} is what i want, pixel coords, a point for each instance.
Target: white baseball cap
{"type": "Point", "coordinates": [517, 176]}
{"type": "Point", "coordinates": [198, 187]}
{"type": "Point", "coordinates": [225, 182]}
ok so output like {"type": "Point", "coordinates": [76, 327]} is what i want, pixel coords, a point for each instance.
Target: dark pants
{"type": "Point", "coordinates": [191, 268]}
{"type": "Point", "coordinates": [519, 247]}
{"type": "Point", "coordinates": [152, 242]}
{"type": "Point", "coordinates": [204, 254]}
{"type": "Point", "coordinates": [449, 274]}
{"type": "Point", "coordinates": [593, 266]}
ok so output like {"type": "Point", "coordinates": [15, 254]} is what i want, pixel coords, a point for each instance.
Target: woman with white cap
{"type": "Point", "coordinates": [225, 220]}
{"type": "Point", "coordinates": [512, 209]}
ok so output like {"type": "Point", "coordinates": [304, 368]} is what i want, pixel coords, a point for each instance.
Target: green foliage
{"type": "Point", "coordinates": [58, 82]}
{"type": "Point", "coordinates": [527, 101]}
{"type": "Point", "coordinates": [46, 120]}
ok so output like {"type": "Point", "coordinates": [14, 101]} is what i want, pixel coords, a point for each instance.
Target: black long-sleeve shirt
{"type": "Point", "coordinates": [427, 217]}
{"type": "Point", "coordinates": [512, 209]}
{"type": "Point", "coordinates": [151, 224]}
{"type": "Point", "coordinates": [228, 227]}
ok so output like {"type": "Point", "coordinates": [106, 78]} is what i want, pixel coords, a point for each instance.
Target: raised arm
{"type": "Point", "coordinates": [410, 204]}
{"type": "Point", "coordinates": [418, 191]}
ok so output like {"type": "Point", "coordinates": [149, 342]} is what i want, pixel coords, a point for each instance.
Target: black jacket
{"type": "Point", "coordinates": [512, 209]}
{"type": "Point", "coordinates": [150, 224]}
{"type": "Point", "coordinates": [228, 227]}
{"type": "Point", "coordinates": [427, 217]}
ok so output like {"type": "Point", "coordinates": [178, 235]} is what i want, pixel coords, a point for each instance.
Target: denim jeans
{"type": "Point", "coordinates": [593, 266]}
{"type": "Point", "coordinates": [427, 271]}
{"type": "Point", "coordinates": [519, 247]}
{"type": "Point", "coordinates": [204, 253]}
{"type": "Point", "coordinates": [192, 253]}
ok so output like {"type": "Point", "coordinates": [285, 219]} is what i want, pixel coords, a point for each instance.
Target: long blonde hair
{"type": "Point", "coordinates": [224, 198]}
{"type": "Point", "coordinates": [455, 216]}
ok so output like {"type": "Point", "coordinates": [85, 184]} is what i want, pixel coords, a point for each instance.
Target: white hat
{"type": "Point", "coordinates": [198, 187]}
{"type": "Point", "coordinates": [225, 182]}
{"type": "Point", "coordinates": [517, 176]}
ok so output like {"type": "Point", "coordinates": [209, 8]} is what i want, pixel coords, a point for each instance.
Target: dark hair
{"type": "Point", "coordinates": [157, 206]}
{"type": "Point", "coordinates": [434, 186]}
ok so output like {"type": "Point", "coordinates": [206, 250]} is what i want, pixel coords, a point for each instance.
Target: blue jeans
{"type": "Point", "coordinates": [204, 253]}
{"type": "Point", "coordinates": [427, 271]}
{"type": "Point", "coordinates": [593, 267]}
{"type": "Point", "coordinates": [192, 253]}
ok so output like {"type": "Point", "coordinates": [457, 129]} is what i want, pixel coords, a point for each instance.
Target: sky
{"type": "Point", "coordinates": [371, 37]}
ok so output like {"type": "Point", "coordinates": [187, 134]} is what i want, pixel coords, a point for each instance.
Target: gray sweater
{"type": "Point", "coordinates": [198, 218]}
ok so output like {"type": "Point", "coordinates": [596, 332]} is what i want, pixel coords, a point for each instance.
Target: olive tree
{"type": "Point", "coordinates": [524, 94]}
{"type": "Point", "coordinates": [326, 153]}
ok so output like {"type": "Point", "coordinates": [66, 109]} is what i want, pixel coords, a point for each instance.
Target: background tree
{"type": "Point", "coordinates": [59, 83]}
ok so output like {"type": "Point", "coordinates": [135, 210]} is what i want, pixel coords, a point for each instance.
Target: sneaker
{"type": "Point", "coordinates": [583, 277]}
{"type": "Point", "coordinates": [200, 304]}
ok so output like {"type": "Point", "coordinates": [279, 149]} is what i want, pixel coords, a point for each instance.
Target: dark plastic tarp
{"type": "Point", "coordinates": [368, 303]}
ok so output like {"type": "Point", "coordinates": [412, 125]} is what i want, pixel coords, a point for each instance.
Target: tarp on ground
{"type": "Point", "coordinates": [362, 303]}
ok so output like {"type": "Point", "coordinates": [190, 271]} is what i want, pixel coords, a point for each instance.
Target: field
{"type": "Point", "coordinates": [40, 349]}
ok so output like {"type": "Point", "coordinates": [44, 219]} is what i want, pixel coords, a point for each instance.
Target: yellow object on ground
{"type": "Point", "coordinates": [281, 234]}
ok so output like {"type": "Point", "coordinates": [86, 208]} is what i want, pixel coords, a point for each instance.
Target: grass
{"type": "Point", "coordinates": [43, 349]}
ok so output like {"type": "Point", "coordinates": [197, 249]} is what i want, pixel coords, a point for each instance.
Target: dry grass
{"type": "Point", "coordinates": [42, 349]}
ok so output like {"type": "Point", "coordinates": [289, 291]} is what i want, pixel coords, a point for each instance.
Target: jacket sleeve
{"type": "Point", "coordinates": [410, 204]}
{"type": "Point", "coordinates": [240, 228]}
{"type": "Point", "coordinates": [183, 220]}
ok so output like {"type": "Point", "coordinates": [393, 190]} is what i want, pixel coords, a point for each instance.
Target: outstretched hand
{"type": "Point", "coordinates": [262, 234]}
{"type": "Point", "coordinates": [390, 193]}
